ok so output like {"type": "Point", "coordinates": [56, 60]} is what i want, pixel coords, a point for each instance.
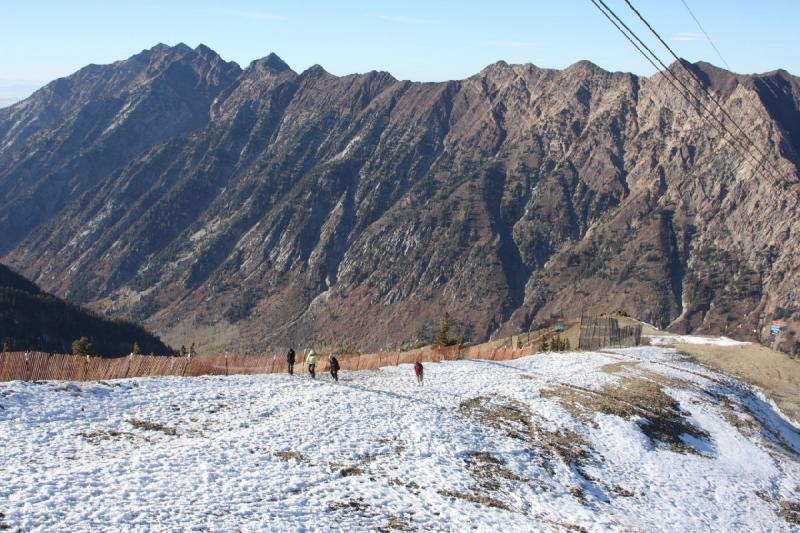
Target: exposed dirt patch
{"type": "Point", "coordinates": [618, 368]}
{"type": "Point", "coordinates": [103, 434]}
{"type": "Point", "coordinates": [488, 471]}
{"type": "Point", "coordinates": [398, 523]}
{"type": "Point", "coordinates": [737, 415]}
{"type": "Point", "coordinates": [574, 527]}
{"type": "Point", "coordinates": [410, 485]}
{"type": "Point", "coordinates": [578, 492]}
{"type": "Point", "coordinates": [291, 456]}
{"type": "Point", "coordinates": [517, 421]}
{"type": "Point", "coordinates": [483, 500]}
{"type": "Point", "coordinates": [152, 426]}
{"type": "Point", "coordinates": [510, 416]}
{"type": "Point", "coordinates": [355, 505]}
{"type": "Point", "coordinates": [790, 511]}
{"type": "Point", "coordinates": [352, 471]}
{"type": "Point", "coordinates": [658, 414]}
{"type": "Point", "coordinates": [621, 491]}
{"type": "Point", "coordinates": [633, 368]}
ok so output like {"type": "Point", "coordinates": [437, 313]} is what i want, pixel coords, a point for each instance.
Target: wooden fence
{"type": "Point", "coordinates": [605, 332]}
{"type": "Point", "coordinates": [38, 366]}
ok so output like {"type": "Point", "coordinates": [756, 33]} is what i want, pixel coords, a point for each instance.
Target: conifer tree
{"type": "Point", "coordinates": [136, 350]}
{"type": "Point", "coordinates": [82, 346]}
{"type": "Point", "coordinates": [444, 328]}
{"type": "Point", "coordinates": [544, 346]}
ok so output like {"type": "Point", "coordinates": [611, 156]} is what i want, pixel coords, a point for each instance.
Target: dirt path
{"type": "Point", "coordinates": [774, 372]}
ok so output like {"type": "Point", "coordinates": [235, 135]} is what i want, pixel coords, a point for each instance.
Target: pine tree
{"type": "Point", "coordinates": [441, 338]}
{"type": "Point", "coordinates": [543, 347]}
{"type": "Point", "coordinates": [82, 346]}
{"type": "Point", "coordinates": [136, 350]}
{"type": "Point", "coordinates": [6, 345]}
{"type": "Point", "coordinates": [191, 349]}
{"type": "Point", "coordinates": [183, 350]}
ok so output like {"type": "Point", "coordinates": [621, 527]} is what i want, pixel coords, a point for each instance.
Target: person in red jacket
{"type": "Point", "coordinates": [418, 370]}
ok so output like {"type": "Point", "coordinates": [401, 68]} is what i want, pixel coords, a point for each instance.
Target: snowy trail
{"type": "Point", "coordinates": [483, 445]}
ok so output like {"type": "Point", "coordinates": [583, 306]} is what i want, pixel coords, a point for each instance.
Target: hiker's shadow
{"type": "Point", "coordinates": [391, 394]}
{"type": "Point", "coordinates": [495, 363]}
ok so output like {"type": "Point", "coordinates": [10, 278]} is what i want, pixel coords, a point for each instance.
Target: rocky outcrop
{"type": "Point", "coordinates": [261, 207]}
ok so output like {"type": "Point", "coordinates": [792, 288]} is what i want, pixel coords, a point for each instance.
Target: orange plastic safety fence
{"type": "Point", "coordinates": [14, 366]}
{"type": "Point", "coordinates": [207, 365]}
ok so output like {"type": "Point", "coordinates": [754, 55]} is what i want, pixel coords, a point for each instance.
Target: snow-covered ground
{"type": "Point", "coordinates": [548, 442]}
{"type": "Point", "coordinates": [669, 340]}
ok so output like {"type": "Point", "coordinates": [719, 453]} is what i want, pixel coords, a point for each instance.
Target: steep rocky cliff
{"type": "Point", "coordinates": [261, 207]}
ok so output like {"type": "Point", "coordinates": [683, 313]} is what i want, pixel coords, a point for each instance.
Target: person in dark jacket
{"type": "Point", "coordinates": [334, 364]}
{"type": "Point", "coordinates": [290, 356]}
{"type": "Point", "coordinates": [418, 370]}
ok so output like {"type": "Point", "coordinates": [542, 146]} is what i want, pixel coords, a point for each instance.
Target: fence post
{"type": "Point", "coordinates": [27, 368]}
{"type": "Point", "coordinates": [128, 368]}
{"type": "Point", "coordinates": [226, 363]}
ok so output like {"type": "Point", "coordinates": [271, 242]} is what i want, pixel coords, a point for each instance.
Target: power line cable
{"type": "Point", "coordinates": [706, 34]}
{"type": "Point", "coordinates": [674, 80]}
{"type": "Point", "coordinates": [702, 86]}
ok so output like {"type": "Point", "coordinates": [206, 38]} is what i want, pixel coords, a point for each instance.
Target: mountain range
{"type": "Point", "coordinates": [260, 207]}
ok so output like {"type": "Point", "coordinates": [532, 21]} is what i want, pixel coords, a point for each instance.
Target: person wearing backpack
{"type": "Point", "coordinates": [418, 370]}
{"type": "Point", "coordinates": [334, 363]}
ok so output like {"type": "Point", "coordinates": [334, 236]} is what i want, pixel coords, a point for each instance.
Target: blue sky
{"type": "Point", "coordinates": [419, 40]}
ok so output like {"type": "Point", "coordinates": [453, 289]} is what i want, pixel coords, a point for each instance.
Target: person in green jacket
{"type": "Point", "coordinates": [311, 361]}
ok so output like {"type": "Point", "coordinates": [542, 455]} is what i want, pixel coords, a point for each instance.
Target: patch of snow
{"type": "Point", "coordinates": [670, 340]}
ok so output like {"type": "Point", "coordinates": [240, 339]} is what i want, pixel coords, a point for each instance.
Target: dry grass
{"type": "Point", "coordinates": [737, 415]}
{"type": "Point", "coordinates": [352, 471]}
{"type": "Point", "coordinates": [516, 420]}
{"type": "Point", "coordinates": [790, 511]}
{"type": "Point", "coordinates": [633, 368]}
{"type": "Point", "coordinates": [622, 491]}
{"type": "Point", "coordinates": [482, 500]}
{"type": "Point", "coordinates": [658, 415]}
{"type": "Point", "coordinates": [355, 505]}
{"type": "Point", "coordinates": [410, 485]}
{"type": "Point", "coordinates": [774, 372]}
{"type": "Point", "coordinates": [489, 471]}
{"type": "Point", "coordinates": [152, 426]}
{"type": "Point", "coordinates": [103, 434]}
{"type": "Point", "coordinates": [398, 523]}
{"type": "Point", "coordinates": [291, 456]}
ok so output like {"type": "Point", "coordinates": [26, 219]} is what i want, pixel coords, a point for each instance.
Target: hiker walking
{"type": "Point", "coordinates": [418, 370]}
{"type": "Point", "coordinates": [311, 361]}
{"type": "Point", "coordinates": [290, 356]}
{"type": "Point", "coordinates": [334, 367]}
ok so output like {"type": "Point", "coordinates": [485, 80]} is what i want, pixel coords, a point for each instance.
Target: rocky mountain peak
{"type": "Point", "coordinates": [271, 63]}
